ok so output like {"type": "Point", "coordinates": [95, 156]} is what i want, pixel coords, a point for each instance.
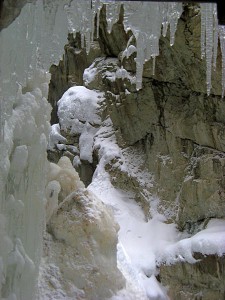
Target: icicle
{"type": "Point", "coordinates": [88, 41]}
{"type": "Point", "coordinates": [147, 29]}
{"type": "Point", "coordinates": [112, 14]}
{"type": "Point", "coordinates": [82, 40]}
{"type": "Point", "coordinates": [153, 65]}
{"type": "Point", "coordinates": [209, 43]}
{"type": "Point", "coordinates": [98, 22]}
{"type": "Point", "coordinates": [174, 13]}
{"type": "Point", "coordinates": [96, 7]}
{"type": "Point", "coordinates": [165, 21]}
{"type": "Point", "coordinates": [203, 28]}
{"type": "Point", "coordinates": [215, 37]}
{"type": "Point", "coordinates": [69, 13]}
{"type": "Point", "coordinates": [140, 59]}
{"type": "Point", "coordinates": [222, 45]}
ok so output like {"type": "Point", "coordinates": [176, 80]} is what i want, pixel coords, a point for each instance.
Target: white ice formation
{"type": "Point", "coordinates": [210, 32]}
{"type": "Point", "coordinates": [25, 56]}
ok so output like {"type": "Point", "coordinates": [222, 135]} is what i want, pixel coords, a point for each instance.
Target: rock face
{"type": "Point", "coordinates": [202, 280]}
{"type": "Point", "coordinates": [174, 124]}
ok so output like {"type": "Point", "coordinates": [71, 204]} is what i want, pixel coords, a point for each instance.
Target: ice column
{"type": "Point", "coordinates": [207, 42]}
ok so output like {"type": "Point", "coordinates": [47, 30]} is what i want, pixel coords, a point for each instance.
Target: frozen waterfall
{"type": "Point", "coordinates": [28, 47]}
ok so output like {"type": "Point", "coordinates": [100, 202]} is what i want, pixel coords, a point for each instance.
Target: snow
{"type": "Point", "coordinates": [78, 112]}
{"type": "Point", "coordinates": [208, 241]}
{"type": "Point", "coordinates": [145, 244]}
{"type": "Point", "coordinates": [79, 104]}
{"type": "Point", "coordinates": [55, 137]}
{"type": "Point", "coordinates": [90, 73]}
{"type": "Point", "coordinates": [138, 246]}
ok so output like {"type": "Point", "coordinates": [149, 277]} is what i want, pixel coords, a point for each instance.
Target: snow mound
{"type": "Point", "coordinates": [209, 241]}
{"type": "Point", "coordinates": [77, 106]}
{"type": "Point", "coordinates": [79, 111]}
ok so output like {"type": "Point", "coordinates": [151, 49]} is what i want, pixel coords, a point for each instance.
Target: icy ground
{"type": "Point", "coordinates": [143, 244]}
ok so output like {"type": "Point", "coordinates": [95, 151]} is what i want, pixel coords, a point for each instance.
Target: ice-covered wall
{"type": "Point", "coordinates": [26, 54]}
{"type": "Point", "coordinates": [28, 47]}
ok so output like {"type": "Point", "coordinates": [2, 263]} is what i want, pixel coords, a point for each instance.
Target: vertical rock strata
{"type": "Point", "coordinates": [178, 128]}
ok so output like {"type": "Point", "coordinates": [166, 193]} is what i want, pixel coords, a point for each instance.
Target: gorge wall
{"type": "Point", "coordinates": [172, 122]}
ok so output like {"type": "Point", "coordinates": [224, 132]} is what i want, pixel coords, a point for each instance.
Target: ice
{"type": "Point", "coordinates": [174, 12]}
{"type": "Point", "coordinates": [215, 38]}
{"type": "Point", "coordinates": [210, 30]}
{"type": "Point", "coordinates": [20, 158]}
{"type": "Point", "coordinates": [23, 165]}
{"type": "Point", "coordinates": [203, 27]}
{"type": "Point", "coordinates": [52, 190]}
{"type": "Point", "coordinates": [112, 14]}
{"type": "Point", "coordinates": [222, 46]}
